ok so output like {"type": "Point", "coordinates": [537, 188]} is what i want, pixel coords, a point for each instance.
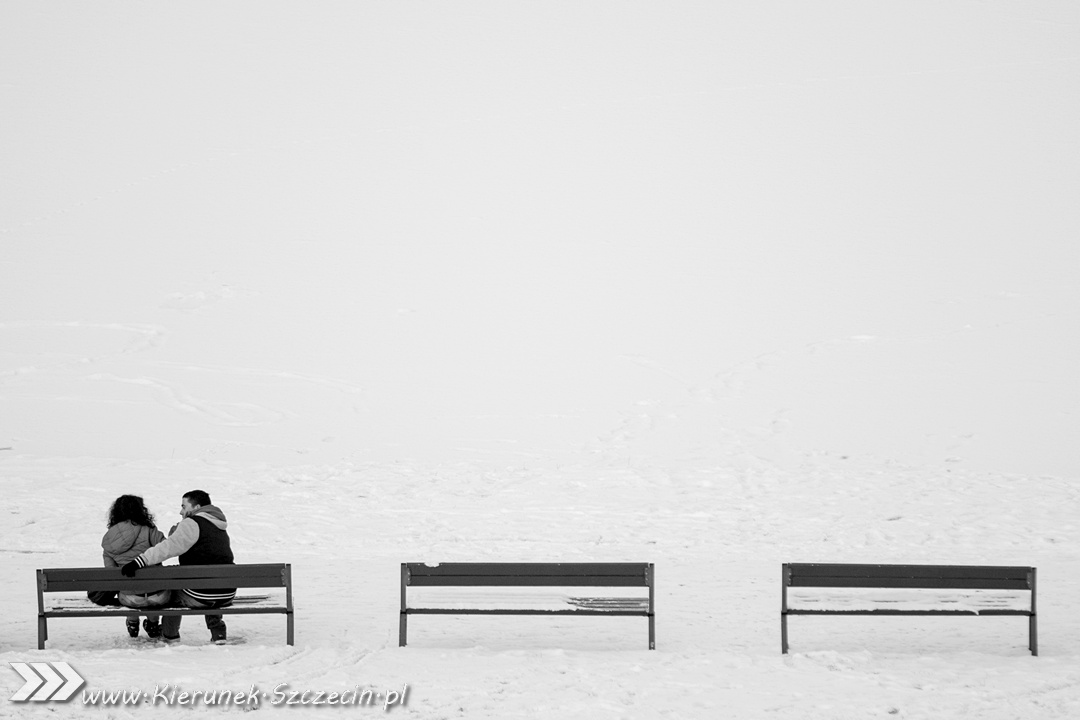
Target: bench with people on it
{"type": "Point", "coordinates": [134, 582]}
{"type": "Point", "coordinates": [485, 577]}
{"type": "Point", "coordinates": [168, 578]}
{"type": "Point", "coordinates": [960, 590]}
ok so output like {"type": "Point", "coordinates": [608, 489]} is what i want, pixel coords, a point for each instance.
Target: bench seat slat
{"type": "Point", "coordinates": [524, 598]}
{"type": "Point", "coordinates": [255, 572]}
{"type": "Point", "coordinates": [887, 611]}
{"type": "Point", "coordinates": [523, 611]}
{"type": "Point", "coordinates": [82, 579]}
{"type": "Point", "coordinates": [834, 570]}
{"type": "Point", "coordinates": [523, 569]}
{"type": "Point", "coordinates": [164, 577]}
{"type": "Point", "coordinates": [227, 610]}
{"type": "Point", "coordinates": [527, 580]}
{"type": "Point", "coordinates": [910, 582]}
{"type": "Point", "coordinates": [839, 599]}
{"type": "Point", "coordinates": [80, 603]}
{"type": "Point", "coordinates": [143, 585]}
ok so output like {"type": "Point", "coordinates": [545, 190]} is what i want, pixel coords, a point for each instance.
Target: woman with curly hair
{"type": "Point", "coordinates": [132, 531]}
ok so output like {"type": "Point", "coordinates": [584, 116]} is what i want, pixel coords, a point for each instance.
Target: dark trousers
{"type": "Point", "coordinates": [170, 624]}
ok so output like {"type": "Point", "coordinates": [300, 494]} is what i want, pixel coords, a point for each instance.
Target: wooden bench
{"type": "Point", "coordinates": [967, 584]}
{"type": "Point", "coordinates": [161, 577]}
{"type": "Point", "coordinates": [530, 575]}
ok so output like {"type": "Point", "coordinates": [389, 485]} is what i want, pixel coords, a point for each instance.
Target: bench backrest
{"type": "Point", "coordinates": [161, 577]}
{"type": "Point", "coordinates": [968, 577]}
{"type": "Point", "coordinates": [525, 574]}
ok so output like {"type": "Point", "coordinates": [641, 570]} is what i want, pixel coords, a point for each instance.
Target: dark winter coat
{"type": "Point", "coordinates": [199, 539]}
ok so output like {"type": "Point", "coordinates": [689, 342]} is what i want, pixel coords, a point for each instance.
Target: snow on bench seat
{"type": "Point", "coordinates": [520, 599]}
{"type": "Point", "coordinates": [74, 605]}
{"type": "Point", "coordinates": [871, 599]}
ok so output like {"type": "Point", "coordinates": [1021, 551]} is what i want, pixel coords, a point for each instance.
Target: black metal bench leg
{"type": "Point", "coordinates": [652, 632]}
{"type": "Point", "coordinates": [1033, 635]}
{"type": "Point", "coordinates": [42, 632]}
{"type": "Point", "coordinates": [289, 628]}
{"type": "Point", "coordinates": [783, 634]}
{"type": "Point", "coordinates": [403, 632]}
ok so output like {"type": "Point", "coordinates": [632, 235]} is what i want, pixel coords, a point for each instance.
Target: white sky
{"type": "Point", "coordinates": [511, 224]}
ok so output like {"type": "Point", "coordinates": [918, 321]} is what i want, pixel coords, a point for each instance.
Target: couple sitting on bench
{"type": "Point", "coordinates": [200, 538]}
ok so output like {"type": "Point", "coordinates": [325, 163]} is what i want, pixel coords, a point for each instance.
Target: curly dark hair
{"type": "Point", "coordinates": [130, 507]}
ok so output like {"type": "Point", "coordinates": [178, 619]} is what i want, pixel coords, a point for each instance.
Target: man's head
{"type": "Point", "coordinates": [192, 501]}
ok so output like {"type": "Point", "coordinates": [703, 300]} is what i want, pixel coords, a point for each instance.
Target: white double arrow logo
{"type": "Point", "coordinates": [41, 675]}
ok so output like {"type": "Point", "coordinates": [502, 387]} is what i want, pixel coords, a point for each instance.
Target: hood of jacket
{"type": "Point", "coordinates": [213, 514]}
{"type": "Point", "coordinates": [126, 539]}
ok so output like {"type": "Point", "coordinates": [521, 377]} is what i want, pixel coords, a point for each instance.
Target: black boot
{"type": "Point", "coordinates": [153, 629]}
{"type": "Point", "coordinates": [217, 629]}
{"type": "Point", "coordinates": [133, 626]}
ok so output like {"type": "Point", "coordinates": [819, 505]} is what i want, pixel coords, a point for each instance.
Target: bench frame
{"type": "Point", "coordinates": [966, 577]}
{"type": "Point", "coordinates": [525, 575]}
{"type": "Point", "coordinates": [159, 577]}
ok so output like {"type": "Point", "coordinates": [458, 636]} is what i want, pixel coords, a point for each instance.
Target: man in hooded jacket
{"type": "Point", "coordinates": [200, 538]}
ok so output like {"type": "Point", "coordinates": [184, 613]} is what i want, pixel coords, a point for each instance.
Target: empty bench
{"type": "Point", "coordinates": [967, 585]}
{"type": "Point", "coordinates": [161, 577]}
{"type": "Point", "coordinates": [485, 577]}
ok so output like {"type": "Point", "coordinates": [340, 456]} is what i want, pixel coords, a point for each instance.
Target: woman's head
{"type": "Point", "coordinates": [130, 507]}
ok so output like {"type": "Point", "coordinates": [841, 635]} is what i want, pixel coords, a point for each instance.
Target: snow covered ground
{"type": "Point", "coordinates": [711, 287]}
{"type": "Point", "coordinates": [718, 535]}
